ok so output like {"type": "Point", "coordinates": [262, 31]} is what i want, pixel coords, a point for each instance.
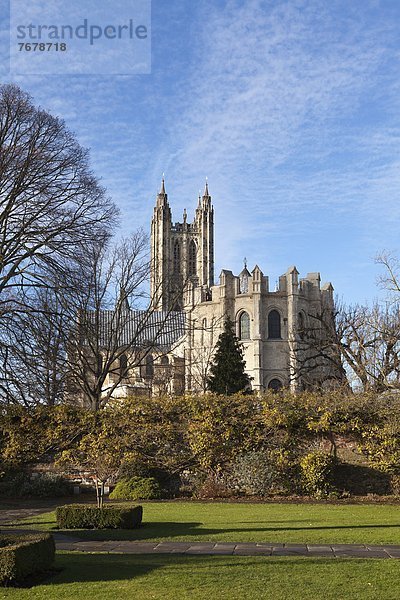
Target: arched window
{"type": "Point", "coordinates": [244, 326]}
{"type": "Point", "coordinates": [149, 366]}
{"type": "Point", "coordinates": [123, 366]}
{"type": "Point", "coordinates": [203, 331]}
{"type": "Point", "coordinates": [275, 385]}
{"type": "Point", "coordinates": [244, 282]}
{"type": "Point", "coordinates": [164, 361]}
{"type": "Point", "coordinates": [192, 258]}
{"type": "Point", "coordinates": [301, 325]}
{"type": "Point", "coordinates": [274, 325]}
{"type": "Point", "coordinates": [177, 257]}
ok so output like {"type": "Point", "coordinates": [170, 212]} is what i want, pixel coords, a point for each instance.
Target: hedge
{"type": "Point", "coordinates": [21, 556]}
{"type": "Point", "coordinates": [82, 516]}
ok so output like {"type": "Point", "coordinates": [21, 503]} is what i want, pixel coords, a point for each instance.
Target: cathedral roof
{"type": "Point", "coordinates": [141, 328]}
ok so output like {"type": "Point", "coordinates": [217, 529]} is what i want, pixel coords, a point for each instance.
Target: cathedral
{"type": "Point", "coordinates": [269, 323]}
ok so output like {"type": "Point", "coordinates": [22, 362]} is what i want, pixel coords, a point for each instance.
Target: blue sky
{"type": "Point", "coordinates": [290, 108]}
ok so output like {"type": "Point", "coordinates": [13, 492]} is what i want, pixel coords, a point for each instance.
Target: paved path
{"type": "Point", "coordinates": [239, 549]}
{"type": "Point", "coordinates": [73, 543]}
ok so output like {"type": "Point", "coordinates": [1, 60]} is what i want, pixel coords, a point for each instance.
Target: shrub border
{"type": "Point", "coordinates": [24, 555]}
{"type": "Point", "coordinates": [83, 516]}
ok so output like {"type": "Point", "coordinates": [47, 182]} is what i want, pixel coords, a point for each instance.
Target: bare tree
{"type": "Point", "coordinates": [33, 351]}
{"type": "Point", "coordinates": [116, 337]}
{"type": "Point", "coordinates": [204, 338]}
{"type": "Point", "coordinates": [371, 345]}
{"type": "Point", "coordinates": [51, 204]}
{"type": "Point", "coordinates": [360, 341]}
{"type": "Point", "coordinates": [52, 210]}
{"type": "Point", "coordinates": [390, 278]}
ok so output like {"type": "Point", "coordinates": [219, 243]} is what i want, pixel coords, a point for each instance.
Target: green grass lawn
{"type": "Point", "coordinates": [119, 577]}
{"type": "Point", "coordinates": [230, 522]}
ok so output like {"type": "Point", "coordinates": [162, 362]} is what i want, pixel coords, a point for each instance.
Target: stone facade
{"type": "Point", "coordinates": [270, 323]}
{"type": "Point", "coordinates": [180, 252]}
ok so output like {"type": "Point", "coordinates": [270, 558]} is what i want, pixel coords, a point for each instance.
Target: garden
{"type": "Point", "coordinates": [311, 468]}
{"type": "Point", "coordinates": [168, 576]}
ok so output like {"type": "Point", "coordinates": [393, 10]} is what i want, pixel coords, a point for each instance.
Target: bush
{"type": "Point", "coordinates": [214, 486]}
{"type": "Point", "coordinates": [395, 484]}
{"type": "Point", "coordinates": [136, 488]}
{"type": "Point", "coordinates": [43, 485]}
{"type": "Point", "coordinates": [81, 516]}
{"type": "Point", "coordinates": [21, 556]}
{"type": "Point", "coordinates": [259, 473]}
{"type": "Point", "coordinates": [317, 473]}
{"type": "Point", "coordinates": [169, 482]}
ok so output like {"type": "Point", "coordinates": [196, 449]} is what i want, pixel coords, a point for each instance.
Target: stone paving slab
{"type": "Point", "coordinates": [289, 552]}
{"type": "Point", "coordinates": [66, 546]}
{"type": "Point", "coordinates": [380, 546]}
{"type": "Point", "coordinates": [239, 549]}
{"type": "Point", "coordinates": [74, 544]}
{"type": "Point", "coordinates": [348, 546]}
{"type": "Point", "coordinates": [250, 552]}
{"type": "Point", "coordinates": [393, 553]}
{"type": "Point", "coordinates": [132, 549]}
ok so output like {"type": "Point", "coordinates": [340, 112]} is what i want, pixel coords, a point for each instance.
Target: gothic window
{"type": "Point", "coordinates": [275, 385]}
{"type": "Point", "coordinates": [177, 257]}
{"type": "Point", "coordinates": [203, 330]}
{"type": "Point", "coordinates": [149, 366]}
{"type": "Point", "coordinates": [192, 258]}
{"type": "Point", "coordinates": [123, 366]}
{"type": "Point", "coordinates": [244, 326]}
{"type": "Point", "coordinates": [244, 283]}
{"type": "Point", "coordinates": [274, 325]}
{"type": "Point", "coordinates": [301, 326]}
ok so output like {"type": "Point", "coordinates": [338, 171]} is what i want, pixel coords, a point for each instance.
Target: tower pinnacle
{"type": "Point", "coordinates": [162, 190]}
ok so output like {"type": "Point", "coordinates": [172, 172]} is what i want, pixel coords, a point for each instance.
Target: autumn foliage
{"type": "Point", "coordinates": [212, 438]}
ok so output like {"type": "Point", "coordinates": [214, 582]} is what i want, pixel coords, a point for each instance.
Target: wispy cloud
{"type": "Point", "coordinates": [289, 107]}
{"type": "Point", "coordinates": [278, 111]}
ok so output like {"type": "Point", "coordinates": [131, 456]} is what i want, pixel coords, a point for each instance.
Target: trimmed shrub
{"type": "Point", "coordinates": [317, 473]}
{"type": "Point", "coordinates": [21, 556]}
{"type": "Point", "coordinates": [82, 516]}
{"type": "Point", "coordinates": [136, 488]}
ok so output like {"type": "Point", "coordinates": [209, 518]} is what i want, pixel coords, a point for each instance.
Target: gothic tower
{"type": "Point", "coordinates": [182, 254]}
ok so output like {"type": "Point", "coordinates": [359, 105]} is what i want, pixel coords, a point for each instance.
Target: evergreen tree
{"type": "Point", "coordinates": [228, 368]}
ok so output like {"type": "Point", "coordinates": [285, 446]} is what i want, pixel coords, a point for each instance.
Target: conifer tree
{"type": "Point", "coordinates": [228, 368]}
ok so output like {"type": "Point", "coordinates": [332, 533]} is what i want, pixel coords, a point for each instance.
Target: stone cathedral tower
{"type": "Point", "coordinates": [182, 254]}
